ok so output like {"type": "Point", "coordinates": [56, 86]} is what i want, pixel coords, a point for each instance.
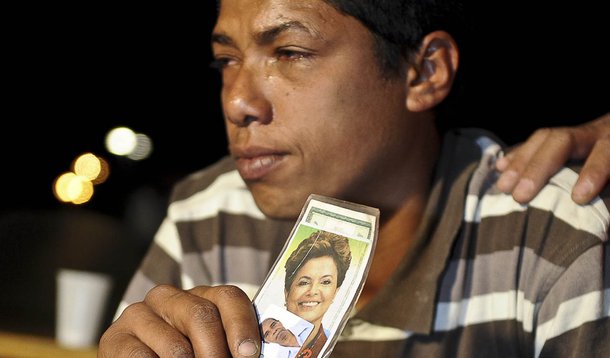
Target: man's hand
{"type": "Point", "coordinates": [203, 322]}
{"type": "Point", "coordinates": [527, 168]}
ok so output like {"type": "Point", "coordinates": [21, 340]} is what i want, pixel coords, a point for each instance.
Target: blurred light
{"type": "Point", "coordinates": [91, 166]}
{"type": "Point", "coordinates": [142, 149]}
{"type": "Point", "coordinates": [60, 189]}
{"type": "Point", "coordinates": [121, 141]}
{"type": "Point", "coordinates": [104, 171]}
{"type": "Point", "coordinates": [70, 187]}
{"type": "Point", "coordinates": [83, 190]}
{"type": "Point", "coordinates": [87, 165]}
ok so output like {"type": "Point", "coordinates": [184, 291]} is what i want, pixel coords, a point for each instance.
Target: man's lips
{"type": "Point", "coordinates": [255, 163]}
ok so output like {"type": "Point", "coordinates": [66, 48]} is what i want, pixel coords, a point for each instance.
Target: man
{"type": "Point", "coordinates": [288, 331]}
{"type": "Point", "coordinates": [339, 98]}
{"type": "Point", "coordinates": [273, 331]}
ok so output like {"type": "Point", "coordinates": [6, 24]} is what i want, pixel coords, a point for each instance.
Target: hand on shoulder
{"type": "Point", "coordinates": [527, 168]}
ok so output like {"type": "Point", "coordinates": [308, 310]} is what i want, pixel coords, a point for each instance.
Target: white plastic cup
{"type": "Point", "coordinates": [81, 301]}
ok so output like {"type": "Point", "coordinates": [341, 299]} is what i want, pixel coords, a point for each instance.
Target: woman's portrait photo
{"type": "Point", "coordinates": [317, 279]}
{"type": "Point", "coordinates": [314, 272]}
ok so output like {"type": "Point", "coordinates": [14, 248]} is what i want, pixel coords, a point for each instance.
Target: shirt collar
{"type": "Point", "coordinates": [407, 300]}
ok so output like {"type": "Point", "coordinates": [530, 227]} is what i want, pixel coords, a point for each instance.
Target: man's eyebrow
{"type": "Point", "coordinates": [222, 39]}
{"type": "Point", "coordinates": [267, 36]}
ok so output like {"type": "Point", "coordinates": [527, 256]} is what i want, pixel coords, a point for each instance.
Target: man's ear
{"type": "Point", "coordinates": [432, 71]}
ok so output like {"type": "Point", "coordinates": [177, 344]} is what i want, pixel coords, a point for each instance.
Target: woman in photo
{"type": "Point", "coordinates": [314, 272]}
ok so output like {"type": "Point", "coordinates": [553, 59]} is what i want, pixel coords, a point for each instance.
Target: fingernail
{"type": "Point", "coordinates": [247, 348]}
{"type": "Point", "coordinates": [507, 180]}
{"type": "Point", "coordinates": [525, 187]}
{"type": "Point", "coordinates": [502, 163]}
{"type": "Point", "coordinates": [582, 190]}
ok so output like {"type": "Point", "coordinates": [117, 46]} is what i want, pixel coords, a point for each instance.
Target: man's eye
{"type": "Point", "coordinates": [220, 63]}
{"type": "Point", "coordinates": [291, 55]}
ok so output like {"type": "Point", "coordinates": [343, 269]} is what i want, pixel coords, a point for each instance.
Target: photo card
{"type": "Point", "coordinates": [314, 284]}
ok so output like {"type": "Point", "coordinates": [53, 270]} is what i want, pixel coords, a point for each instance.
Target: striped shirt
{"type": "Point", "coordinates": [487, 276]}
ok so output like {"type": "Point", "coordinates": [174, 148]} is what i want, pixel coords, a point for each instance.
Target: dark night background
{"type": "Point", "coordinates": [71, 73]}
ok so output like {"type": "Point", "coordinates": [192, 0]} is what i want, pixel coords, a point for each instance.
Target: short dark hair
{"type": "Point", "coordinates": [319, 244]}
{"type": "Point", "coordinates": [398, 26]}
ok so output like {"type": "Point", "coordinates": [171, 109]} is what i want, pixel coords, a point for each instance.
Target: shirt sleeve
{"type": "Point", "coordinates": [573, 319]}
{"type": "Point", "coordinates": [161, 265]}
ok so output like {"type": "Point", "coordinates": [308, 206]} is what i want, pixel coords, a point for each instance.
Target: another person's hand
{"type": "Point", "coordinates": [528, 167]}
{"type": "Point", "coordinates": [203, 322]}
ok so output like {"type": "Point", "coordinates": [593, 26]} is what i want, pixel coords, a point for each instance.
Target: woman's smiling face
{"type": "Point", "coordinates": [313, 289]}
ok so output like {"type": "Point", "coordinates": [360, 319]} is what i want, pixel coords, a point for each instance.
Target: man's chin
{"type": "Point", "coordinates": [278, 204]}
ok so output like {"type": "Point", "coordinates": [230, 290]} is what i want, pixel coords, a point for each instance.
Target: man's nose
{"type": "Point", "coordinates": [243, 99]}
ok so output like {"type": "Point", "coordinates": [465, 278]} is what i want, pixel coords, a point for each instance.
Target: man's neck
{"type": "Point", "coordinates": [399, 225]}
{"type": "Point", "coordinates": [395, 239]}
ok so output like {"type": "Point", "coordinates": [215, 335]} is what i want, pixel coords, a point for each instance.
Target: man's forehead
{"type": "Point", "coordinates": [256, 17]}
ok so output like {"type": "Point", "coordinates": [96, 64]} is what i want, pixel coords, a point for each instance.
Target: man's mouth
{"type": "Point", "coordinates": [255, 168]}
{"type": "Point", "coordinates": [278, 334]}
{"type": "Point", "coordinates": [255, 163]}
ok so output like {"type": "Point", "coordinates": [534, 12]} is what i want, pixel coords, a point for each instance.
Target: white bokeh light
{"type": "Point", "coordinates": [142, 149]}
{"type": "Point", "coordinates": [121, 141]}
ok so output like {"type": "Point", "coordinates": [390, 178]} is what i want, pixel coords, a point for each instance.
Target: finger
{"type": "Point", "coordinates": [508, 179]}
{"type": "Point", "coordinates": [238, 318]}
{"type": "Point", "coordinates": [122, 345]}
{"type": "Point", "coordinates": [543, 163]}
{"type": "Point", "coordinates": [586, 135]}
{"type": "Point", "coordinates": [514, 163]}
{"type": "Point", "coordinates": [139, 329]}
{"type": "Point", "coordinates": [154, 332]}
{"type": "Point", "coordinates": [595, 174]}
{"type": "Point", "coordinates": [193, 316]}
{"type": "Point", "coordinates": [504, 161]}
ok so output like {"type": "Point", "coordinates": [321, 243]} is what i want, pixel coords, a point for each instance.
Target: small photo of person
{"type": "Point", "coordinates": [283, 332]}
{"type": "Point", "coordinates": [315, 271]}
{"type": "Point", "coordinates": [314, 280]}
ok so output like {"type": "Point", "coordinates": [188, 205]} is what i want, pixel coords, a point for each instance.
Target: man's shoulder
{"type": "Point", "coordinates": [604, 195]}
{"type": "Point", "coordinates": [556, 196]}
{"type": "Point", "coordinates": [551, 217]}
{"type": "Point", "coordinates": [552, 211]}
{"type": "Point", "coordinates": [205, 193]}
{"type": "Point", "coordinates": [203, 179]}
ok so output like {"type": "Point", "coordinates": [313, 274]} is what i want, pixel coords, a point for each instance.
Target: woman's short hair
{"type": "Point", "coordinates": [319, 244]}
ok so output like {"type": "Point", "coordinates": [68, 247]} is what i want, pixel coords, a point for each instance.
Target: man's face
{"type": "Point", "coordinates": [275, 332]}
{"type": "Point", "coordinates": [305, 106]}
